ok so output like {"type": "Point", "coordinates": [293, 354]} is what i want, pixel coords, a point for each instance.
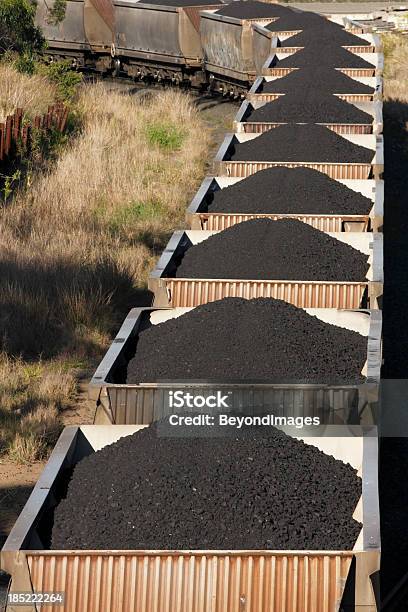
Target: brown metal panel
{"type": "Point", "coordinates": [277, 72]}
{"type": "Point", "coordinates": [193, 12]}
{"type": "Point", "coordinates": [104, 8]}
{"type": "Point", "coordinates": [263, 97]}
{"type": "Point", "coordinates": [325, 223]}
{"type": "Point", "coordinates": [192, 582]}
{"type": "Point", "coordinates": [359, 72]}
{"type": "Point", "coordinates": [327, 403]}
{"type": "Point", "coordinates": [288, 50]}
{"type": "Point", "coordinates": [336, 171]}
{"type": "Point", "coordinates": [361, 49]}
{"type": "Point", "coordinates": [346, 128]}
{"type": "Point", "coordinates": [270, 97]}
{"type": "Point", "coordinates": [286, 33]}
{"type": "Point", "coordinates": [353, 49]}
{"type": "Point", "coordinates": [351, 72]}
{"type": "Point", "coordinates": [99, 23]}
{"type": "Point", "coordinates": [356, 97]}
{"type": "Point", "coordinates": [193, 292]}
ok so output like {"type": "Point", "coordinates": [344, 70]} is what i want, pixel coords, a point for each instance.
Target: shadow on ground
{"type": "Point", "coordinates": [46, 306]}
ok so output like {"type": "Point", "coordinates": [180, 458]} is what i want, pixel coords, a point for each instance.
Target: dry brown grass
{"type": "Point", "coordinates": [32, 397]}
{"type": "Point", "coordinates": [32, 93]}
{"type": "Point", "coordinates": [395, 66]}
{"type": "Point", "coordinates": [75, 248]}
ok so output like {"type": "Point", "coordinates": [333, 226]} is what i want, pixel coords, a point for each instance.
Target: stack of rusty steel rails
{"type": "Point", "coordinates": [250, 580]}
{"type": "Point", "coordinates": [16, 131]}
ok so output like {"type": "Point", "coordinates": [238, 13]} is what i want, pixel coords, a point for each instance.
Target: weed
{"type": "Point", "coordinates": [65, 79]}
{"type": "Point", "coordinates": [130, 214]}
{"type": "Point", "coordinates": [165, 135]}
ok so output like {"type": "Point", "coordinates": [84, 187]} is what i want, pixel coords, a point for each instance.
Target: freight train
{"type": "Point", "coordinates": [198, 43]}
{"type": "Point", "coordinates": [340, 194]}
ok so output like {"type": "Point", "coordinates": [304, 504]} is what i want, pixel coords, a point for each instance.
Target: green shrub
{"type": "Point", "coordinates": [18, 31]}
{"type": "Point", "coordinates": [25, 62]}
{"type": "Point", "coordinates": [165, 135]}
{"type": "Point", "coordinates": [65, 78]}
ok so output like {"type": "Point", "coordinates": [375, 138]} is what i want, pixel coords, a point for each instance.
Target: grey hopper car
{"type": "Point", "coordinates": [159, 40]}
{"type": "Point", "coordinates": [141, 39]}
{"type": "Point", "coordinates": [235, 49]}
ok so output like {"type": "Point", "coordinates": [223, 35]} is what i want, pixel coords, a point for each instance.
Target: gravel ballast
{"type": "Point", "coordinates": [235, 339]}
{"type": "Point", "coordinates": [254, 489]}
{"type": "Point", "coordinates": [250, 9]}
{"type": "Point", "coordinates": [327, 80]}
{"type": "Point", "coordinates": [289, 190]}
{"type": "Point", "coordinates": [302, 143]}
{"type": "Point", "coordinates": [263, 249]}
{"type": "Point", "coordinates": [311, 107]}
{"type": "Point", "coordinates": [330, 57]}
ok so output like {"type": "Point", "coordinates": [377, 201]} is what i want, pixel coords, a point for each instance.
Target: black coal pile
{"type": "Point", "coordinates": [250, 9]}
{"type": "Point", "coordinates": [302, 143]}
{"type": "Point", "coordinates": [319, 79]}
{"type": "Point", "coordinates": [326, 35]}
{"type": "Point", "coordinates": [289, 190]}
{"type": "Point", "coordinates": [248, 340]}
{"type": "Point", "coordinates": [263, 249]}
{"type": "Point", "coordinates": [255, 489]}
{"type": "Point", "coordinates": [331, 57]}
{"type": "Point", "coordinates": [310, 107]}
{"type": "Point", "coordinates": [298, 20]}
{"type": "Point", "coordinates": [305, 21]}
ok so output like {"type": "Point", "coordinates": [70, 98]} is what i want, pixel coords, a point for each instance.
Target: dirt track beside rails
{"type": "Point", "coordinates": [240, 340]}
{"type": "Point", "coordinates": [254, 489]}
{"type": "Point", "coordinates": [263, 249]}
{"type": "Point", "coordinates": [289, 190]}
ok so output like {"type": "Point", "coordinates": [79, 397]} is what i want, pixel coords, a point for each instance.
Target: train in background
{"type": "Point", "coordinates": [169, 41]}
